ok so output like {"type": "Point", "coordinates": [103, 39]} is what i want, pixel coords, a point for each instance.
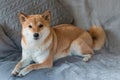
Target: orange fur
{"type": "Point", "coordinates": [98, 36]}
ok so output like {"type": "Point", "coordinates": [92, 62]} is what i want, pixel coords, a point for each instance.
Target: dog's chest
{"type": "Point", "coordinates": [36, 54]}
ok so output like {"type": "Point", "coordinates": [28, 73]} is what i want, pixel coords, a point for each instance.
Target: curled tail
{"type": "Point", "coordinates": [98, 36]}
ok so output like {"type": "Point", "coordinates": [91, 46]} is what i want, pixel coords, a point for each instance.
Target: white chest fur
{"type": "Point", "coordinates": [36, 54]}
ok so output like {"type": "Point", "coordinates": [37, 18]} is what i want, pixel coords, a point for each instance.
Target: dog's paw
{"type": "Point", "coordinates": [22, 73]}
{"type": "Point", "coordinates": [85, 59]}
{"type": "Point", "coordinates": [15, 73]}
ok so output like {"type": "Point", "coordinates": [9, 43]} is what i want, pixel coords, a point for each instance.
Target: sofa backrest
{"type": "Point", "coordinates": [107, 12]}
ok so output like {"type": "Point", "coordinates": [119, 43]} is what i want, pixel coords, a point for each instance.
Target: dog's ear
{"type": "Point", "coordinates": [46, 15]}
{"type": "Point", "coordinates": [22, 17]}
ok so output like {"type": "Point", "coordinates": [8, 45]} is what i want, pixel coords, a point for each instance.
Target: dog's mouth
{"type": "Point", "coordinates": [36, 38]}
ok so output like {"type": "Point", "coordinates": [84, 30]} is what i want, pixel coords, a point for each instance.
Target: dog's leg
{"type": "Point", "coordinates": [80, 48]}
{"type": "Point", "coordinates": [21, 64]}
{"type": "Point", "coordinates": [46, 64]}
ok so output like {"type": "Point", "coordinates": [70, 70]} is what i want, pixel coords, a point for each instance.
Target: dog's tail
{"type": "Point", "coordinates": [98, 36]}
{"type": "Point", "coordinates": [97, 32]}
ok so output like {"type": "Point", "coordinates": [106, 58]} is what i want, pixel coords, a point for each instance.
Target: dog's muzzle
{"type": "Point", "coordinates": [36, 36]}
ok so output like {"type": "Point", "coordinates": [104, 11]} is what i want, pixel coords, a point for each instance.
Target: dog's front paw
{"type": "Point", "coordinates": [15, 73]}
{"type": "Point", "coordinates": [22, 73]}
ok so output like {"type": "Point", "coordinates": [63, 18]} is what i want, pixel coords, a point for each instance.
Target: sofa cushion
{"type": "Point", "coordinates": [102, 66]}
{"type": "Point", "coordinates": [9, 10]}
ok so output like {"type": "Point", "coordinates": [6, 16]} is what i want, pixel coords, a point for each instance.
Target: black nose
{"type": "Point", "coordinates": [36, 35]}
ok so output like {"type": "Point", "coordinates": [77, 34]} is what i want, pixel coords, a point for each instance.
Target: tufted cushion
{"type": "Point", "coordinates": [10, 8]}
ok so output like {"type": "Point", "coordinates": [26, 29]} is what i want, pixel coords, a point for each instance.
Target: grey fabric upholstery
{"type": "Point", "coordinates": [104, 65]}
{"type": "Point", "coordinates": [7, 47]}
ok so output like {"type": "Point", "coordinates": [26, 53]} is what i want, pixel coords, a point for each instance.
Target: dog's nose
{"type": "Point", "coordinates": [36, 35]}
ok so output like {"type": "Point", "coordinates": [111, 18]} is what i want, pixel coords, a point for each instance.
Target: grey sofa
{"type": "Point", "coordinates": [104, 65]}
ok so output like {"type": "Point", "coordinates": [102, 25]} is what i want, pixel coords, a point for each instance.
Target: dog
{"type": "Point", "coordinates": [44, 44]}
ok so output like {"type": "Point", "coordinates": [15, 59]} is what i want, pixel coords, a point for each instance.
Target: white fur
{"type": "Point", "coordinates": [33, 50]}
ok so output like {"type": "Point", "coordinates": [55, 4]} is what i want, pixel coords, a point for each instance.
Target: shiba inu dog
{"type": "Point", "coordinates": [44, 44]}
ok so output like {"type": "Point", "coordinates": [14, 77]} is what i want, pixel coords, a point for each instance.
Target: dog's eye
{"type": "Point", "coordinates": [40, 25]}
{"type": "Point", "coordinates": [30, 26]}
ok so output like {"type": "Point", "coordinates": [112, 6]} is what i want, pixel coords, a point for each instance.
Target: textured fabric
{"type": "Point", "coordinates": [9, 10]}
{"type": "Point", "coordinates": [104, 65]}
{"type": "Point", "coordinates": [7, 47]}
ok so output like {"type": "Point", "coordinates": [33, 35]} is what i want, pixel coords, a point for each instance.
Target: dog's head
{"type": "Point", "coordinates": [34, 26]}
